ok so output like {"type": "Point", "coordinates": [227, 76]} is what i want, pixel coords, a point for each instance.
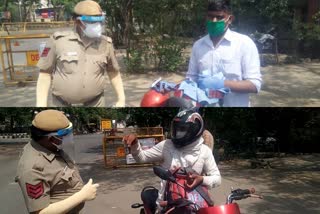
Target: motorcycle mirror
{"type": "Point", "coordinates": [163, 174]}
{"type": "Point", "coordinates": [156, 82]}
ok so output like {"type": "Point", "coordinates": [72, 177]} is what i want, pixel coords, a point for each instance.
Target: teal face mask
{"type": "Point", "coordinates": [216, 29]}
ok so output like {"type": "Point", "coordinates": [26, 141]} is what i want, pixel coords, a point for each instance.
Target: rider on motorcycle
{"type": "Point", "coordinates": [185, 149]}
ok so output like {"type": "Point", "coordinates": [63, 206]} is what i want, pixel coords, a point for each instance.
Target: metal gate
{"type": "Point", "coordinates": [117, 155]}
{"type": "Point", "coordinates": [19, 55]}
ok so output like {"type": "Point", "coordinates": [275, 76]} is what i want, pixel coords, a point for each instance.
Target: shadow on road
{"type": "Point", "coordinates": [131, 179]}
{"type": "Point", "coordinates": [291, 186]}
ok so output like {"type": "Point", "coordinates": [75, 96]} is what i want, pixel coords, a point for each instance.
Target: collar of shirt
{"type": "Point", "coordinates": [193, 147]}
{"type": "Point", "coordinates": [188, 155]}
{"type": "Point", "coordinates": [42, 150]}
{"type": "Point", "coordinates": [226, 39]}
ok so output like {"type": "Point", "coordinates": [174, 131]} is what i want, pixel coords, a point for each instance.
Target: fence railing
{"type": "Point", "coordinates": [117, 155]}
{"type": "Point", "coordinates": [25, 26]}
{"type": "Point", "coordinates": [14, 46]}
{"type": "Point", "coordinates": [14, 135]}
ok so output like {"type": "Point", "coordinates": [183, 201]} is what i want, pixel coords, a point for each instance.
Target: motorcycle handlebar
{"type": "Point", "coordinates": [256, 196]}
{"type": "Point", "coordinates": [240, 194]}
{"type": "Point", "coordinates": [244, 191]}
{"type": "Point", "coordinates": [136, 205]}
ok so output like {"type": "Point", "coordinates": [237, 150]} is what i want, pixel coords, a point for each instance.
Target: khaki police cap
{"type": "Point", "coordinates": [88, 8]}
{"type": "Point", "coordinates": [50, 120]}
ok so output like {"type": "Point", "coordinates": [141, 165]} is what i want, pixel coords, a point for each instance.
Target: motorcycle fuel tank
{"type": "Point", "coordinates": [223, 209]}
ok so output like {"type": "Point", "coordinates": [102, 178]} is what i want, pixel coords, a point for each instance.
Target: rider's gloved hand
{"type": "Point", "coordinates": [211, 82]}
{"type": "Point", "coordinates": [130, 139]}
{"type": "Point", "coordinates": [194, 180]}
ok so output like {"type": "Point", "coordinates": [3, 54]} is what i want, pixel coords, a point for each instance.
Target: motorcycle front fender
{"type": "Point", "coordinates": [223, 209]}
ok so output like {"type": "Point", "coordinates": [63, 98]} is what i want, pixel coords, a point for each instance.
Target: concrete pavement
{"type": "Point", "coordinates": [11, 200]}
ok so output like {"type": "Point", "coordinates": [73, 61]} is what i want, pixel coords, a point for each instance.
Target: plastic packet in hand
{"type": "Point", "coordinates": [164, 86]}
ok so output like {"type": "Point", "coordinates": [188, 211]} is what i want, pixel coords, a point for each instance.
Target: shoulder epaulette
{"type": "Point", "coordinates": [58, 35]}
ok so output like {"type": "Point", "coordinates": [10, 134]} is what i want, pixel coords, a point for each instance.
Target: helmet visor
{"type": "Point", "coordinates": [92, 18]}
{"type": "Point", "coordinates": [93, 26]}
{"type": "Point", "coordinates": [179, 130]}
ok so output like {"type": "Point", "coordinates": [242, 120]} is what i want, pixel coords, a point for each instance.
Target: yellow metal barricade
{"type": "Point", "coordinates": [117, 155]}
{"type": "Point", "coordinates": [28, 26]}
{"type": "Point", "coordinates": [19, 61]}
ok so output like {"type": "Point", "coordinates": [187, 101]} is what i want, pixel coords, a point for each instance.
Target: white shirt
{"type": "Point", "coordinates": [197, 155]}
{"type": "Point", "coordinates": [236, 56]}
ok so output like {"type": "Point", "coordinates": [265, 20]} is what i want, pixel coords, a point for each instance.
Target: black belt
{"type": "Point", "coordinates": [77, 104]}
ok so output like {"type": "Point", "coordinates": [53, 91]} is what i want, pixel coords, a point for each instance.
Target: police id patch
{"type": "Point", "coordinates": [35, 191]}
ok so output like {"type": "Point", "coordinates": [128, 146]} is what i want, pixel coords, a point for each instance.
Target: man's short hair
{"type": "Point", "coordinates": [219, 5]}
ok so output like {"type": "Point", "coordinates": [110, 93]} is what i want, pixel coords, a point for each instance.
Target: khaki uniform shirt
{"type": "Point", "coordinates": [45, 177]}
{"type": "Point", "coordinates": [78, 69]}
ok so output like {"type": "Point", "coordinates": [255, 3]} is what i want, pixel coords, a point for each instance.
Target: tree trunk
{"type": "Point", "coordinates": [5, 3]}
{"type": "Point", "coordinates": [24, 12]}
{"type": "Point", "coordinates": [127, 16]}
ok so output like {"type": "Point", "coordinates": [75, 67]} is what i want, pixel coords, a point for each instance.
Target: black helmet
{"type": "Point", "coordinates": [186, 127]}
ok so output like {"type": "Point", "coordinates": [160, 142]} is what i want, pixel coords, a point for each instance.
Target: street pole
{"type": "Point", "coordinates": [20, 2]}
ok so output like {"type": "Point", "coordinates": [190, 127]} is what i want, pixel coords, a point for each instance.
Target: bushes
{"type": "Point", "coordinates": [162, 53]}
{"type": "Point", "coordinates": [308, 35]}
{"type": "Point", "coordinates": [169, 54]}
{"type": "Point", "coordinates": [134, 60]}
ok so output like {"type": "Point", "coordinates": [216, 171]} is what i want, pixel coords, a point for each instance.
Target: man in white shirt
{"type": "Point", "coordinates": [184, 149]}
{"type": "Point", "coordinates": [225, 52]}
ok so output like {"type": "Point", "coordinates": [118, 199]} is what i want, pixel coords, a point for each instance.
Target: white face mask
{"type": "Point", "coordinates": [58, 146]}
{"type": "Point", "coordinates": [93, 30]}
{"type": "Point", "coordinates": [66, 141]}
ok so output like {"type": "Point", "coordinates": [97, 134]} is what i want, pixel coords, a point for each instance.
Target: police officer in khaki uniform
{"type": "Point", "coordinates": [75, 63]}
{"type": "Point", "coordinates": [49, 180]}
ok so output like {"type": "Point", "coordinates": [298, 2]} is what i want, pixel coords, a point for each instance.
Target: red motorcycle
{"type": "Point", "coordinates": [185, 203]}
{"type": "Point", "coordinates": [186, 94]}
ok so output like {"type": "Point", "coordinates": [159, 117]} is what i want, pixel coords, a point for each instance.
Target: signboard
{"type": "Point", "coordinates": [145, 144]}
{"type": "Point", "coordinates": [121, 152]}
{"type": "Point", "coordinates": [130, 159]}
{"type": "Point", "coordinates": [32, 58]}
{"type": "Point", "coordinates": [106, 124]}
{"type": "Point", "coordinates": [45, 15]}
